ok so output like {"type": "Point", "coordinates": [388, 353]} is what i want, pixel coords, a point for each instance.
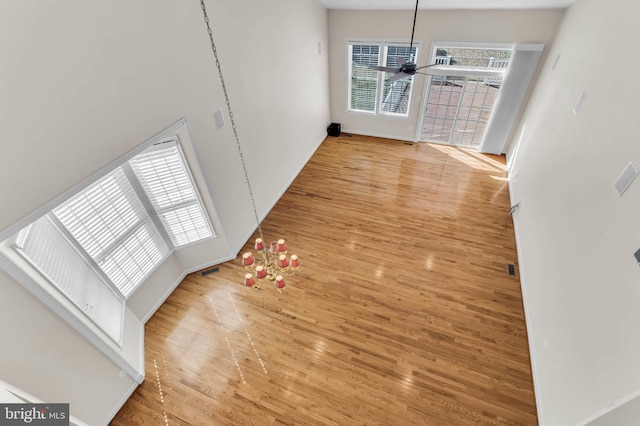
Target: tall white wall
{"type": "Point", "coordinates": [483, 26]}
{"type": "Point", "coordinates": [83, 83]}
{"type": "Point", "coordinates": [44, 357]}
{"type": "Point", "coordinates": [576, 236]}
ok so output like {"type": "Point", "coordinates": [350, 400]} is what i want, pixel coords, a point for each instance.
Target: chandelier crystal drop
{"type": "Point", "coordinates": [274, 265]}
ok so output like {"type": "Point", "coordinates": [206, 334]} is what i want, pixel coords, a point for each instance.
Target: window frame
{"type": "Point", "coordinates": [102, 257]}
{"type": "Point", "coordinates": [383, 45]}
{"type": "Point", "coordinates": [37, 282]}
{"type": "Point", "coordinates": [158, 211]}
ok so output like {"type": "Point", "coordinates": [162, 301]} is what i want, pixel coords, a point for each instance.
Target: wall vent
{"type": "Point", "coordinates": [626, 177]}
{"type": "Point", "coordinates": [637, 256]}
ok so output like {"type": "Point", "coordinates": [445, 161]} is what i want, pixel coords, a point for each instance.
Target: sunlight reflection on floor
{"type": "Point", "coordinates": [471, 158]}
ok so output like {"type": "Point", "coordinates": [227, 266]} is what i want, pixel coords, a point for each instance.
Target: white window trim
{"type": "Point", "coordinates": [383, 43]}
{"type": "Point", "coordinates": [12, 263]}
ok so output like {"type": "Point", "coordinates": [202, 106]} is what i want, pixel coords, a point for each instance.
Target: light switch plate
{"type": "Point", "coordinates": [219, 117]}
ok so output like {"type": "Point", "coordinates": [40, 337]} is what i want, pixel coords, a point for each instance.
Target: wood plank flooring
{"type": "Point", "coordinates": [402, 314]}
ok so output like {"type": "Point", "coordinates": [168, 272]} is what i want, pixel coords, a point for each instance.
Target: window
{"type": "Point", "coordinates": [100, 244]}
{"type": "Point", "coordinates": [48, 250]}
{"type": "Point", "coordinates": [370, 91]}
{"type": "Point", "coordinates": [166, 181]}
{"type": "Point", "coordinates": [110, 224]}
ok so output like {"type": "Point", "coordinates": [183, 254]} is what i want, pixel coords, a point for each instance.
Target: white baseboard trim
{"type": "Point", "coordinates": [284, 189]}
{"type": "Point", "coordinates": [121, 403]}
{"type": "Point", "coordinates": [177, 282]}
{"type": "Point", "coordinates": [235, 251]}
{"type": "Point", "coordinates": [182, 276]}
{"type": "Point", "coordinates": [378, 135]}
{"type": "Point", "coordinates": [522, 274]}
{"type": "Point", "coordinates": [140, 377]}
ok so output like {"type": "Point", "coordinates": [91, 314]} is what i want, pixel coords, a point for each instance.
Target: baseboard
{"type": "Point", "coordinates": [177, 282]}
{"type": "Point", "coordinates": [530, 334]}
{"type": "Point", "coordinates": [235, 250]}
{"type": "Point", "coordinates": [140, 378]}
{"type": "Point", "coordinates": [379, 135]}
{"type": "Point", "coordinates": [121, 403]}
{"type": "Point", "coordinates": [284, 189]}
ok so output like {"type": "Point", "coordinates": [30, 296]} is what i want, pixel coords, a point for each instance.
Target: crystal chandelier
{"type": "Point", "coordinates": [274, 265]}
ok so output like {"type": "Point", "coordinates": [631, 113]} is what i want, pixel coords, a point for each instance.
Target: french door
{"type": "Point", "coordinates": [459, 102]}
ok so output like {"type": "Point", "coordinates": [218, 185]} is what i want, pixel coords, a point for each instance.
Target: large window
{"type": "Point", "coordinates": [371, 91]}
{"type": "Point", "coordinates": [99, 245]}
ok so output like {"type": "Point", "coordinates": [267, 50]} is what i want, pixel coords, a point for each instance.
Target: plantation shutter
{"type": "Point", "coordinates": [110, 223]}
{"type": "Point", "coordinates": [163, 174]}
{"type": "Point", "coordinates": [102, 214]}
{"type": "Point", "coordinates": [47, 249]}
{"type": "Point", "coordinates": [130, 262]}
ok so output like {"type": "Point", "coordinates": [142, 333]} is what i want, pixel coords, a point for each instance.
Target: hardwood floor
{"type": "Point", "coordinates": [402, 314]}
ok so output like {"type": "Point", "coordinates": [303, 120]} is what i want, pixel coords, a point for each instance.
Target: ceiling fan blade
{"type": "Point", "coordinates": [427, 66]}
{"type": "Point", "coordinates": [385, 69]}
{"type": "Point", "coordinates": [399, 76]}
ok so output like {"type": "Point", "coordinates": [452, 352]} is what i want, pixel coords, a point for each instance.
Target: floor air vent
{"type": "Point", "coordinates": [210, 271]}
{"type": "Point", "coordinates": [511, 269]}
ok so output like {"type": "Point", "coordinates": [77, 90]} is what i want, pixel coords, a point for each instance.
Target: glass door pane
{"type": "Point", "coordinates": [458, 107]}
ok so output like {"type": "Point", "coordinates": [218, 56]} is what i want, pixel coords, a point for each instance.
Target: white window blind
{"type": "Point", "coordinates": [369, 90]}
{"type": "Point", "coordinates": [130, 262]}
{"type": "Point", "coordinates": [396, 94]}
{"type": "Point", "coordinates": [100, 244]}
{"type": "Point", "coordinates": [163, 174]}
{"type": "Point", "coordinates": [111, 224]}
{"type": "Point", "coordinates": [364, 81]}
{"type": "Point", "coordinates": [44, 246]}
{"type": "Point", "coordinates": [100, 215]}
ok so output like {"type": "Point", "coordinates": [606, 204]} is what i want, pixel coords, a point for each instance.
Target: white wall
{"type": "Point", "coordinates": [576, 236]}
{"type": "Point", "coordinates": [625, 415]}
{"type": "Point", "coordinates": [83, 83]}
{"type": "Point", "coordinates": [43, 356]}
{"type": "Point", "coordinates": [493, 26]}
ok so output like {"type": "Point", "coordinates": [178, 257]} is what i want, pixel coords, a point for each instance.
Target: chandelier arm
{"type": "Point", "coordinates": [233, 122]}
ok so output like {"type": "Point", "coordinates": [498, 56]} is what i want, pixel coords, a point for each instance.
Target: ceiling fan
{"type": "Point", "coordinates": [405, 69]}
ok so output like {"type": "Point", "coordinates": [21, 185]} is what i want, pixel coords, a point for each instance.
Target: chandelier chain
{"type": "Point", "coordinates": [231, 117]}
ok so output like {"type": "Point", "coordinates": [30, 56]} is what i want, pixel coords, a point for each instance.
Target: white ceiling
{"type": "Point", "coordinates": [445, 4]}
